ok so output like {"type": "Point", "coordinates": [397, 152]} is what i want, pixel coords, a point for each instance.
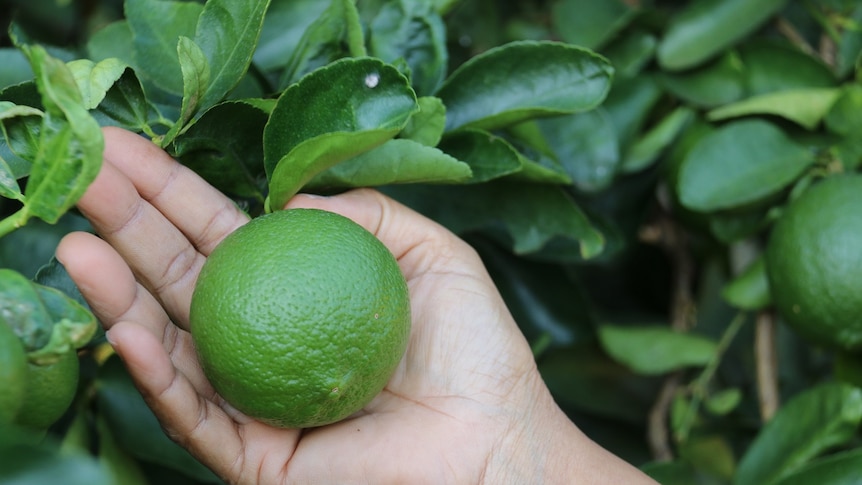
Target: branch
{"type": "Point", "coordinates": [766, 361]}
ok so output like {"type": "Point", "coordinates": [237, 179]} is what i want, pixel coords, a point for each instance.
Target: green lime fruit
{"type": "Point", "coordinates": [814, 263]}
{"type": "Point", "coordinates": [13, 374]}
{"type": "Point", "coordinates": [50, 390]}
{"type": "Point", "coordinates": [300, 317]}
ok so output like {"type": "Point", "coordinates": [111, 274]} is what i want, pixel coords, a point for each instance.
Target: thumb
{"type": "Point", "coordinates": [418, 243]}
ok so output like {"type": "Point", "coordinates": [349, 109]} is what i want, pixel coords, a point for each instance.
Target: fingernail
{"type": "Point", "coordinates": [109, 337]}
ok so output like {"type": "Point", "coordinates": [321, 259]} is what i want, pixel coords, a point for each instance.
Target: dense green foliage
{"type": "Point", "coordinates": [618, 165]}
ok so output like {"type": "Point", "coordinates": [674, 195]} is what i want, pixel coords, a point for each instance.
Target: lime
{"type": "Point", "coordinates": [50, 390]}
{"type": "Point", "coordinates": [13, 374]}
{"type": "Point", "coordinates": [814, 263]}
{"type": "Point", "coordinates": [300, 317]}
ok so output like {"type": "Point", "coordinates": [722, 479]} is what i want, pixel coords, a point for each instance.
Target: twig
{"type": "Point", "coordinates": [673, 239]}
{"type": "Point", "coordinates": [788, 30]}
{"type": "Point", "coordinates": [766, 362]}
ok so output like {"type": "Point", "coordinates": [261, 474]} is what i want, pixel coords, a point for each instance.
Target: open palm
{"type": "Point", "coordinates": [464, 400]}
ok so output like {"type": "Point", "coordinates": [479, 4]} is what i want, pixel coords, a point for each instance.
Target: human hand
{"type": "Point", "coordinates": [466, 404]}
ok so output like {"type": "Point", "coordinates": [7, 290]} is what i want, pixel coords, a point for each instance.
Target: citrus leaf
{"type": "Point", "coordinates": [156, 27]}
{"type": "Point", "coordinates": [488, 155]}
{"type": "Point", "coordinates": [523, 80]}
{"type": "Point", "coordinates": [23, 311]}
{"type": "Point", "coordinates": [16, 69]}
{"type": "Point", "coordinates": [632, 52]}
{"type": "Point", "coordinates": [807, 107]}
{"type": "Point", "coordinates": [126, 105]}
{"type": "Point", "coordinates": [654, 350]}
{"type": "Point", "coordinates": [707, 27]}
{"type": "Point", "coordinates": [739, 163]}
{"type": "Point", "coordinates": [588, 23]}
{"type": "Point", "coordinates": [73, 326]}
{"type": "Point", "coordinates": [414, 32]}
{"type": "Point", "coordinates": [809, 424]}
{"type": "Point", "coordinates": [717, 83]}
{"type": "Point", "coordinates": [749, 290]}
{"type": "Point", "coordinates": [336, 34]}
{"type": "Point", "coordinates": [770, 66]}
{"type": "Point", "coordinates": [585, 145]}
{"type": "Point", "coordinates": [196, 78]}
{"type": "Point", "coordinates": [9, 187]}
{"type": "Point", "coordinates": [838, 469]}
{"type": "Point", "coordinates": [397, 161]}
{"type": "Point", "coordinates": [95, 79]}
{"type": "Point", "coordinates": [427, 125]}
{"type": "Point", "coordinates": [539, 216]}
{"type": "Point", "coordinates": [283, 26]}
{"type": "Point", "coordinates": [70, 142]}
{"type": "Point", "coordinates": [227, 32]}
{"type": "Point", "coordinates": [331, 115]}
{"type": "Point", "coordinates": [650, 146]}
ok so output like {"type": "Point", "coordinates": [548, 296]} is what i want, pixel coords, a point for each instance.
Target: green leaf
{"type": "Point", "coordinates": [717, 83]}
{"type": "Point", "coordinates": [227, 155]}
{"type": "Point", "coordinates": [749, 290]}
{"type": "Point", "coordinates": [838, 469]}
{"type": "Point", "coordinates": [114, 40]}
{"type": "Point", "coordinates": [126, 105]}
{"type": "Point", "coordinates": [9, 187]}
{"type": "Point", "coordinates": [807, 107]}
{"type": "Point", "coordinates": [845, 116]}
{"type": "Point", "coordinates": [122, 467]}
{"type": "Point", "coordinates": [740, 163]}
{"type": "Point", "coordinates": [723, 402]}
{"type": "Point", "coordinates": [645, 151]}
{"type": "Point", "coordinates": [331, 115]}
{"type": "Point", "coordinates": [23, 311]}
{"type": "Point", "coordinates": [654, 350]}
{"type": "Point", "coordinates": [540, 215]}
{"type": "Point", "coordinates": [814, 421]}
{"type": "Point", "coordinates": [196, 79]}
{"type": "Point", "coordinates": [522, 80]}
{"type": "Point", "coordinates": [488, 156]}
{"type": "Point", "coordinates": [585, 145]}
{"type": "Point", "coordinates": [336, 34]}
{"type": "Point", "coordinates": [16, 69]}
{"type": "Point", "coordinates": [771, 66]}
{"type": "Point", "coordinates": [227, 33]}
{"type": "Point", "coordinates": [95, 79]}
{"type": "Point", "coordinates": [588, 23]}
{"type": "Point", "coordinates": [414, 32]}
{"type": "Point", "coordinates": [427, 125]}
{"type": "Point", "coordinates": [283, 27]}
{"type": "Point", "coordinates": [397, 161]}
{"type": "Point", "coordinates": [30, 464]}
{"type": "Point", "coordinates": [157, 26]}
{"type": "Point", "coordinates": [70, 142]}
{"type": "Point", "coordinates": [631, 53]}
{"type": "Point", "coordinates": [706, 27]}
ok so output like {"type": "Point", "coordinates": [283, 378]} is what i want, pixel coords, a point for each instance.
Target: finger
{"type": "Point", "coordinates": [155, 250]}
{"type": "Point", "coordinates": [199, 210]}
{"type": "Point", "coordinates": [236, 452]}
{"type": "Point", "coordinates": [418, 243]}
{"type": "Point", "coordinates": [112, 292]}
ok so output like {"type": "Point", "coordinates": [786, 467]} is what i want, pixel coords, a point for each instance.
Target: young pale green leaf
{"type": "Point", "coordinates": [412, 31]}
{"type": "Point", "coordinates": [749, 290]}
{"type": "Point", "coordinates": [588, 23]}
{"type": "Point", "coordinates": [645, 151]}
{"type": "Point", "coordinates": [531, 216]}
{"type": "Point", "coordinates": [811, 423]}
{"type": "Point", "coordinates": [331, 115]}
{"type": "Point", "coordinates": [23, 310]}
{"type": "Point", "coordinates": [837, 469]}
{"type": "Point", "coordinates": [707, 27]}
{"type": "Point", "coordinates": [522, 80]}
{"type": "Point", "coordinates": [723, 402]}
{"type": "Point", "coordinates": [95, 79]}
{"type": "Point", "coordinates": [336, 34]}
{"type": "Point", "coordinates": [488, 155]}
{"type": "Point", "coordinates": [655, 349]}
{"type": "Point", "coordinates": [585, 145]}
{"type": "Point", "coordinates": [427, 125]}
{"type": "Point", "coordinates": [156, 27]}
{"type": "Point", "coordinates": [227, 33]}
{"type": "Point", "coordinates": [70, 142]}
{"type": "Point", "coordinates": [196, 80]}
{"type": "Point", "coordinates": [740, 163]}
{"type": "Point", "coordinates": [72, 325]}
{"type": "Point", "coordinates": [397, 161]}
{"type": "Point", "coordinates": [114, 40]}
{"type": "Point", "coordinates": [807, 107]}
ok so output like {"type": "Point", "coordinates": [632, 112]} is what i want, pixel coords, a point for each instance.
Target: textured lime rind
{"type": "Point", "coordinates": [814, 263]}
{"type": "Point", "coordinates": [300, 318]}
